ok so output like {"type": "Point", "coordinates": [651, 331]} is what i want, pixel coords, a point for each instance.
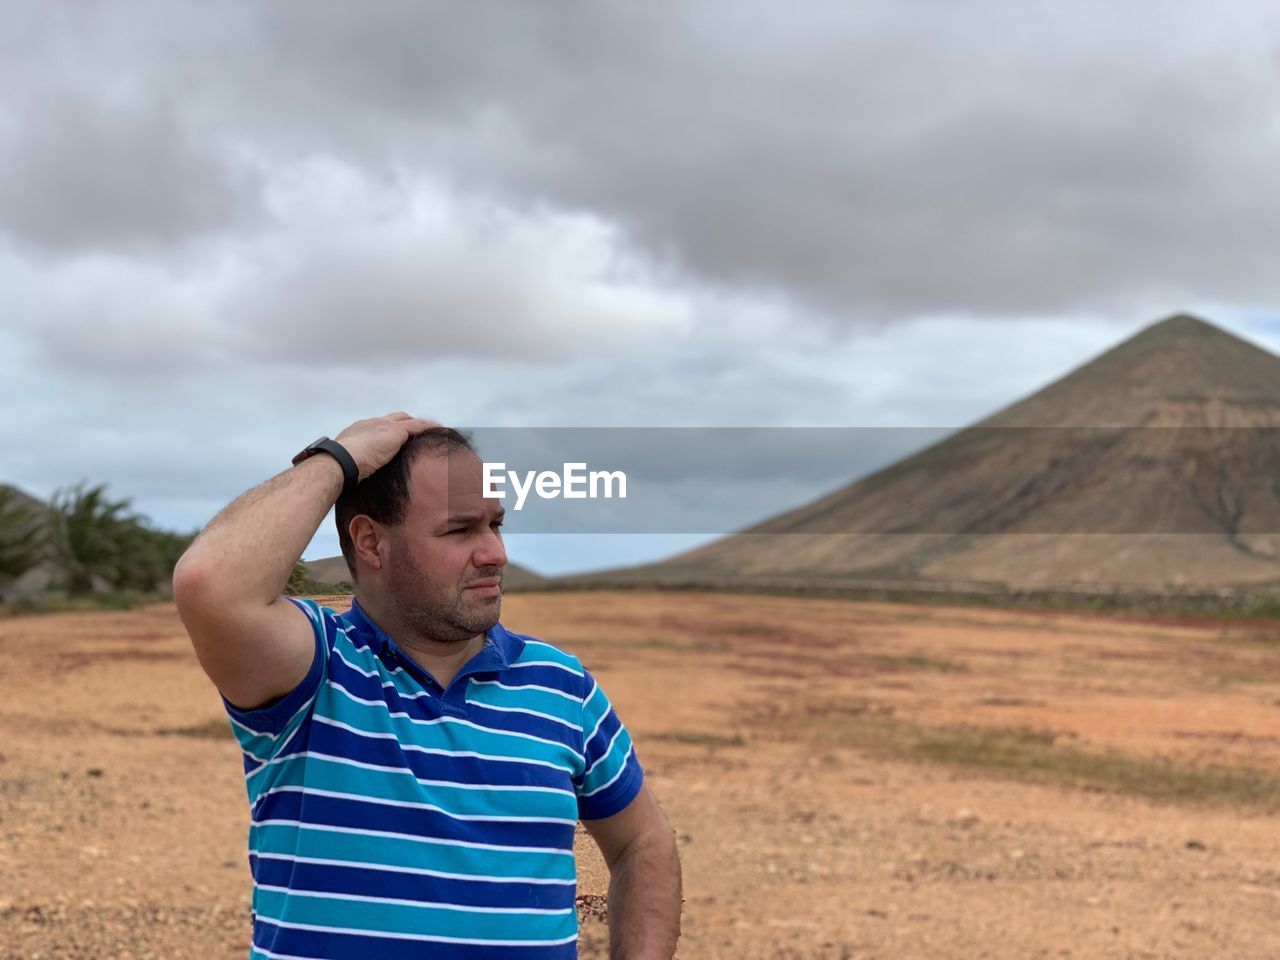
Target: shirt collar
{"type": "Point", "coordinates": [500, 648]}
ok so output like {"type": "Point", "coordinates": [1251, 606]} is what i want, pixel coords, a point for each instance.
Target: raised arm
{"type": "Point", "coordinates": [254, 645]}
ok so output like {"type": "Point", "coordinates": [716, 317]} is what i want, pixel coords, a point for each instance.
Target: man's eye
{"type": "Point", "coordinates": [497, 524]}
{"type": "Point", "coordinates": [455, 530]}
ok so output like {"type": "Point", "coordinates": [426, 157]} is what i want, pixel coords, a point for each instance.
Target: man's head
{"type": "Point", "coordinates": [421, 538]}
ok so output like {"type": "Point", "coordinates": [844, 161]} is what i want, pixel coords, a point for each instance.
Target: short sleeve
{"type": "Point", "coordinates": [264, 731]}
{"type": "Point", "coordinates": [611, 775]}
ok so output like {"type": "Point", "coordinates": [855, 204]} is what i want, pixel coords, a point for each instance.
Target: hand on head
{"type": "Point", "coordinates": [372, 443]}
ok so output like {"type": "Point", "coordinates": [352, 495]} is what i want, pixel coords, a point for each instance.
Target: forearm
{"type": "Point", "coordinates": [248, 550]}
{"type": "Point", "coordinates": [645, 900]}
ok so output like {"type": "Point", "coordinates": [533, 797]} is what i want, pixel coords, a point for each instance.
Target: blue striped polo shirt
{"type": "Point", "coordinates": [391, 819]}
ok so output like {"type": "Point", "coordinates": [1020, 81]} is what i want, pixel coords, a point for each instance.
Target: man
{"type": "Point", "coordinates": [415, 771]}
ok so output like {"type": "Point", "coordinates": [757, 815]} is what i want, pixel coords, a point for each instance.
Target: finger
{"type": "Point", "coordinates": [398, 415]}
{"type": "Point", "coordinates": [419, 425]}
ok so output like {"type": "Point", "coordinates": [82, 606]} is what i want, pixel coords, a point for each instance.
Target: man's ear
{"type": "Point", "coordinates": [369, 539]}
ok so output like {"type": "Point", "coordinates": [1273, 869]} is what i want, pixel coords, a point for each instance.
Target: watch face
{"type": "Point", "coordinates": [308, 450]}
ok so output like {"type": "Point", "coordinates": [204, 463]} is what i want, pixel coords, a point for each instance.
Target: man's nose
{"type": "Point", "coordinates": [491, 552]}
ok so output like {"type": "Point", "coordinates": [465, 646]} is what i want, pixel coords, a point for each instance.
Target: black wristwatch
{"type": "Point", "coordinates": [350, 472]}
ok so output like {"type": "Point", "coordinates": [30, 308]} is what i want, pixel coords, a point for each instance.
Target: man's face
{"type": "Point", "coordinates": [445, 568]}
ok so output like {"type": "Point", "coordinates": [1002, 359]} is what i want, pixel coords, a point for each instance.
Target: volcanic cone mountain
{"type": "Point", "coordinates": [1154, 465]}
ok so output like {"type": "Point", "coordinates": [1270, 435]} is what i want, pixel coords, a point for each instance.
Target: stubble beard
{"type": "Point", "coordinates": [436, 611]}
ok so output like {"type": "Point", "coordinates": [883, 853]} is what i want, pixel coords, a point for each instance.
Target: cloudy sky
{"type": "Point", "coordinates": [228, 228]}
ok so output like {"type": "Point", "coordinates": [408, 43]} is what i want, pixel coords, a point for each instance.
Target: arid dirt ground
{"type": "Point", "coordinates": [846, 780]}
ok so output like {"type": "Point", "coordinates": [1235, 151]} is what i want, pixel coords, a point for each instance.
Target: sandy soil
{"type": "Point", "coordinates": [123, 815]}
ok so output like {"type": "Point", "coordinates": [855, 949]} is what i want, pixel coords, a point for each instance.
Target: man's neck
{"type": "Point", "coordinates": [440, 658]}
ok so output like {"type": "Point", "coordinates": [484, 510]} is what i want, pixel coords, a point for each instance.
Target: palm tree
{"type": "Point", "coordinates": [20, 536]}
{"type": "Point", "coordinates": [91, 536]}
{"type": "Point", "coordinates": [148, 556]}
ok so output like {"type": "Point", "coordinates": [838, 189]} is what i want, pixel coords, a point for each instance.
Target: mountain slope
{"type": "Point", "coordinates": [1178, 488]}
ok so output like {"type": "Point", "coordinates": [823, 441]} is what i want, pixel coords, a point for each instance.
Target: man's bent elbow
{"type": "Point", "coordinates": [197, 584]}
{"type": "Point", "coordinates": [188, 581]}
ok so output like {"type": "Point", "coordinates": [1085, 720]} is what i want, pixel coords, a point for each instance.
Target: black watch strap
{"type": "Point", "coordinates": [350, 472]}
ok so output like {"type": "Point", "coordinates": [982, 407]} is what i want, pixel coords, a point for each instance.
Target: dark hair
{"type": "Point", "coordinates": [384, 494]}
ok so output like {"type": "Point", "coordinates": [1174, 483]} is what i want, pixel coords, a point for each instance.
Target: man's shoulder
{"type": "Point", "coordinates": [528, 651]}
{"type": "Point", "coordinates": [322, 617]}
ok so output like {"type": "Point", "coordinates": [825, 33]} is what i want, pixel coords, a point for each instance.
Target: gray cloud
{"type": "Point", "coordinates": [864, 161]}
{"type": "Point", "coordinates": [868, 161]}
{"type": "Point", "coordinates": [356, 274]}
{"type": "Point", "coordinates": [90, 169]}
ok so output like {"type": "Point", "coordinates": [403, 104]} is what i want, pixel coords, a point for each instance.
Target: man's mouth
{"type": "Point", "coordinates": [488, 585]}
